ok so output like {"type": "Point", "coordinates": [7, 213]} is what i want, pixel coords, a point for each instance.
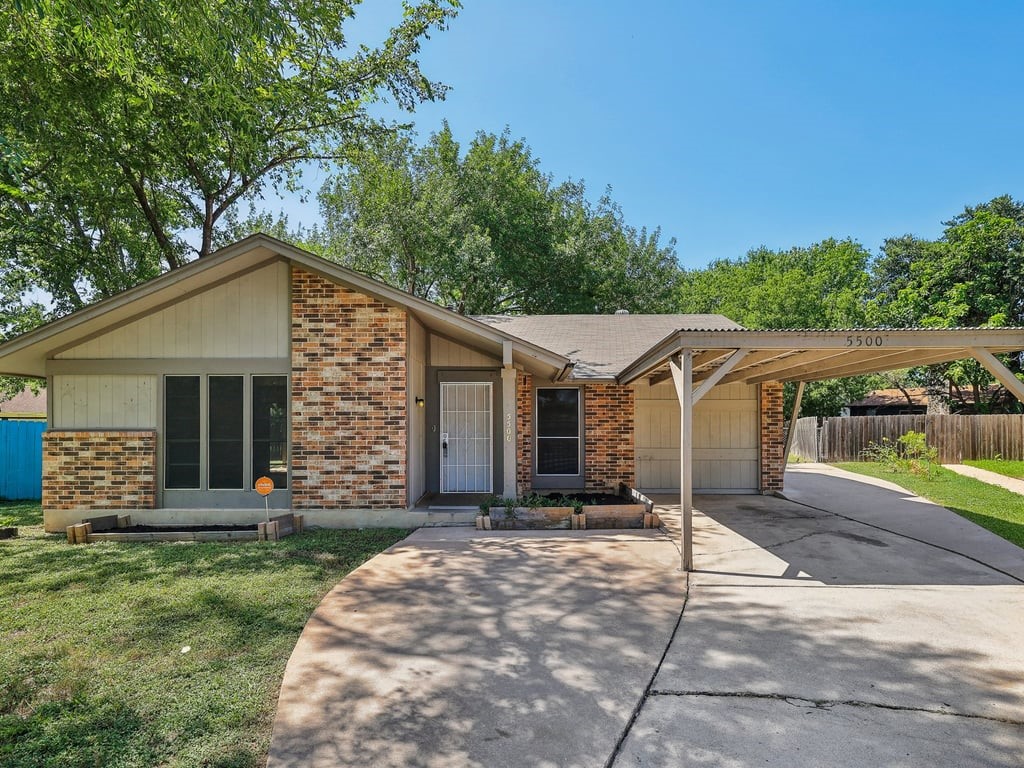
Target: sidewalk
{"type": "Point", "coordinates": [992, 478]}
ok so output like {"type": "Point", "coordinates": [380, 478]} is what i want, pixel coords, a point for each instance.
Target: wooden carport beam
{"type": "Point", "coordinates": [854, 363]}
{"type": "Point", "coordinates": [1003, 374]}
{"type": "Point", "coordinates": [701, 359]}
{"type": "Point", "coordinates": [910, 360]}
{"type": "Point", "coordinates": [752, 359]}
{"type": "Point", "coordinates": [792, 424]}
{"type": "Point", "coordinates": [812, 357]}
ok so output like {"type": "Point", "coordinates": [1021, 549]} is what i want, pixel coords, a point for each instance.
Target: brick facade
{"type": "Point", "coordinates": [109, 469]}
{"type": "Point", "coordinates": [608, 454]}
{"type": "Point", "coordinates": [524, 433]}
{"type": "Point", "coordinates": [609, 458]}
{"type": "Point", "coordinates": [348, 398]}
{"type": "Point", "coordinates": [773, 442]}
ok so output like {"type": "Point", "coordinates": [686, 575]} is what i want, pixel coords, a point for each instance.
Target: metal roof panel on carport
{"type": "Point", "coordinates": [697, 360]}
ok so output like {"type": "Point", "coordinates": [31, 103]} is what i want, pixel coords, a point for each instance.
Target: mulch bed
{"type": "Point", "coordinates": [592, 498]}
{"type": "Point", "coordinates": [181, 528]}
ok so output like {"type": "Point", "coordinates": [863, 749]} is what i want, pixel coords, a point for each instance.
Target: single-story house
{"type": "Point", "coordinates": [363, 402]}
{"type": "Point", "coordinates": [24, 406]}
{"type": "Point", "coordinates": [889, 402]}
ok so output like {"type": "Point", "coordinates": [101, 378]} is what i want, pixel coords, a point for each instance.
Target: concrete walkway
{"type": "Point", "coordinates": [811, 639]}
{"type": "Point", "coordinates": [458, 648]}
{"type": "Point", "coordinates": [992, 478]}
{"type": "Point", "coordinates": [850, 625]}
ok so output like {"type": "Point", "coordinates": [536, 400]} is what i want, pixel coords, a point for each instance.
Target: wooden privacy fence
{"type": "Point", "coordinates": [955, 437]}
{"type": "Point", "coordinates": [21, 459]}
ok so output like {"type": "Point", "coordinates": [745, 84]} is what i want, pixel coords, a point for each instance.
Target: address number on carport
{"type": "Point", "coordinates": [864, 341]}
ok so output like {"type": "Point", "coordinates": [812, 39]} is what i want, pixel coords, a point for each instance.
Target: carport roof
{"type": "Point", "coordinates": [812, 354]}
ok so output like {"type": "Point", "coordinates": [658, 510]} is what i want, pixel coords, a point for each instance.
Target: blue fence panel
{"type": "Point", "coordinates": [21, 459]}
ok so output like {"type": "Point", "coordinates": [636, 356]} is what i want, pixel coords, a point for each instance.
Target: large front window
{"type": "Point", "coordinates": [213, 440]}
{"type": "Point", "coordinates": [558, 431]}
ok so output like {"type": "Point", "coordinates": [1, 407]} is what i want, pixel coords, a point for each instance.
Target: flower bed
{"type": "Point", "coordinates": [577, 511]}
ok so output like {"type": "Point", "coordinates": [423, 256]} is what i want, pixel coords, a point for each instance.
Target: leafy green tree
{"type": "Point", "coordinates": [131, 128]}
{"type": "Point", "coordinates": [972, 276]}
{"type": "Point", "coordinates": [820, 286]}
{"type": "Point", "coordinates": [485, 230]}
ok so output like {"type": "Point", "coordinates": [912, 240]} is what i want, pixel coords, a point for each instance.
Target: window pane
{"type": "Point", "coordinates": [558, 413]}
{"type": "Point", "coordinates": [226, 417]}
{"type": "Point", "coordinates": [558, 456]}
{"type": "Point", "coordinates": [270, 429]}
{"type": "Point", "coordinates": [181, 432]}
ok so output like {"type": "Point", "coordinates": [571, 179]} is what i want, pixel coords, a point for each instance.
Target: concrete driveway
{"type": "Point", "coordinates": [810, 637]}
{"type": "Point", "coordinates": [463, 648]}
{"type": "Point", "coordinates": [813, 639]}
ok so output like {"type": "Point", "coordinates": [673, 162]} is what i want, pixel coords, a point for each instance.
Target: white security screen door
{"type": "Point", "coordinates": [466, 445]}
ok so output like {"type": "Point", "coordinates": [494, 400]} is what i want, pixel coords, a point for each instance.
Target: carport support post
{"type": "Point", "coordinates": [791, 433]}
{"type": "Point", "coordinates": [682, 375]}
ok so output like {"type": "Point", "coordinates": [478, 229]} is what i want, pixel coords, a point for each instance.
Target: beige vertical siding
{"type": "Point", "coordinates": [417, 387]}
{"type": "Point", "coordinates": [725, 438]}
{"type": "Point", "coordinates": [108, 402]}
{"type": "Point", "coordinates": [246, 317]}
{"type": "Point", "coordinates": [448, 354]}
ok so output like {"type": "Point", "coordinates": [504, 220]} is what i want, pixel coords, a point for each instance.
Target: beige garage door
{"type": "Point", "coordinates": [725, 440]}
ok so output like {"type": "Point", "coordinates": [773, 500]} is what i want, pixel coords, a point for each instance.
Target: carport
{"type": "Point", "coordinates": [698, 360]}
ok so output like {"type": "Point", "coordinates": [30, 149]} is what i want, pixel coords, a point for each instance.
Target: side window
{"type": "Point", "coordinates": [226, 429]}
{"type": "Point", "coordinates": [182, 432]}
{"type": "Point", "coordinates": [558, 431]}
{"type": "Point", "coordinates": [270, 429]}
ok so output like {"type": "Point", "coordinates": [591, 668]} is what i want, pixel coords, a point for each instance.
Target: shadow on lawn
{"type": "Point", "coordinates": [93, 672]}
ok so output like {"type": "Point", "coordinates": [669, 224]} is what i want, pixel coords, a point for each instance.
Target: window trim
{"type": "Point", "coordinates": [537, 437]}
{"type": "Point", "coordinates": [248, 480]}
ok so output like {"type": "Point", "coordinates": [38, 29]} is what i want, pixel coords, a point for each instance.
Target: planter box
{"type": "Point", "coordinates": [530, 518]}
{"type": "Point", "coordinates": [614, 515]}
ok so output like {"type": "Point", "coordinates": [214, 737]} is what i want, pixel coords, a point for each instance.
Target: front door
{"type": "Point", "coordinates": [466, 437]}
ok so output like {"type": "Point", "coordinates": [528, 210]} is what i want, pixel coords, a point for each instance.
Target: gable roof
{"type": "Point", "coordinates": [601, 346]}
{"type": "Point", "coordinates": [26, 355]}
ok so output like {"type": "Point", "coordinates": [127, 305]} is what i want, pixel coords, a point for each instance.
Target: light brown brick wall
{"type": "Point", "coordinates": [99, 470]}
{"type": "Point", "coordinates": [609, 457]}
{"type": "Point", "coordinates": [524, 433]}
{"type": "Point", "coordinates": [348, 398]}
{"type": "Point", "coordinates": [608, 453]}
{"type": "Point", "coordinates": [772, 440]}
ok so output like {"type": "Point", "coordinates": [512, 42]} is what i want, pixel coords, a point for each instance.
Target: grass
{"type": "Point", "coordinates": [94, 669]}
{"type": "Point", "coordinates": [1013, 469]}
{"type": "Point", "coordinates": [989, 506]}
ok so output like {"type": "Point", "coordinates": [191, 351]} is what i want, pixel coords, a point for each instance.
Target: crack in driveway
{"type": "Point", "coordinates": [800, 701]}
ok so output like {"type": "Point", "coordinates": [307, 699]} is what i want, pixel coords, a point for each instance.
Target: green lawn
{"type": "Point", "coordinates": [1009, 468]}
{"type": "Point", "coordinates": [153, 654]}
{"type": "Point", "coordinates": [991, 507]}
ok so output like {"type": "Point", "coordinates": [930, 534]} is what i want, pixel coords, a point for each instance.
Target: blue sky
{"type": "Point", "coordinates": [737, 124]}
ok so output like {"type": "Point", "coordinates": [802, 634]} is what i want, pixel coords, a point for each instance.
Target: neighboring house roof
{"type": "Point", "coordinates": [888, 397]}
{"type": "Point", "coordinates": [25, 403]}
{"type": "Point", "coordinates": [601, 345]}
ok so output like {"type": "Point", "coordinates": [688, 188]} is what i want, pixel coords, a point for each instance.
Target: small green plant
{"type": "Point", "coordinates": [909, 453]}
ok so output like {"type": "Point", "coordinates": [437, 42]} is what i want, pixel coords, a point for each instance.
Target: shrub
{"type": "Point", "coordinates": [910, 453]}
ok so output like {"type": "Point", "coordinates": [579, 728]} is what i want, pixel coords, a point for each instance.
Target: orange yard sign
{"type": "Point", "coordinates": [264, 486]}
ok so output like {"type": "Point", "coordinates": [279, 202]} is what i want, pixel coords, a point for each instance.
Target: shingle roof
{"type": "Point", "coordinates": [601, 345]}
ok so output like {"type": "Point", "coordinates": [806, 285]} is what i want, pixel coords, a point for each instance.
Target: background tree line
{"type": "Point", "coordinates": [134, 139]}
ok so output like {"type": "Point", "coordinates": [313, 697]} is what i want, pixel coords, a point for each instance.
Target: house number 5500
{"type": "Point", "coordinates": [508, 427]}
{"type": "Point", "coordinates": [863, 341]}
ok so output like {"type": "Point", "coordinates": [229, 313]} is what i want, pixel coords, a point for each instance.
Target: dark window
{"type": "Point", "coordinates": [270, 429]}
{"type": "Point", "coordinates": [558, 431]}
{"type": "Point", "coordinates": [226, 431]}
{"type": "Point", "coordinates": [181, 417]}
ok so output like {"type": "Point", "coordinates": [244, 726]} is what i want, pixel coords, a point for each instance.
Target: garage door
{"type": "Point", "coordinates": [725, 441]}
